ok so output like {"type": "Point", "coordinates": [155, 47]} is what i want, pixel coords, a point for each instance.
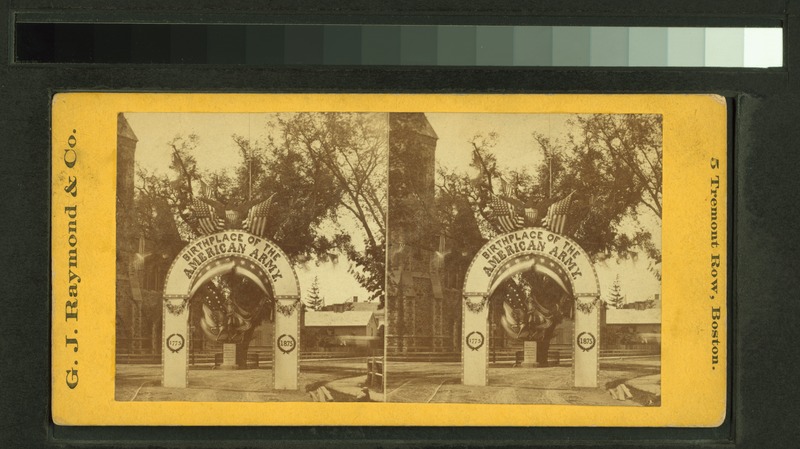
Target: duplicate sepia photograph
{"type": "Point", "coordinates": [524, 259]}
{"type": "Point", "coordinates": [250, 260]}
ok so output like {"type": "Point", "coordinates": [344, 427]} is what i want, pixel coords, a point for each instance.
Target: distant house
{"type": "Point", "coordinates": [629, 325]}
{"type": "Point", "coordinates": [648, 303]}
{"type": "Point", "coordinates": [642, 325]}
{"type": "Point", "coordinates": [353, 304]}
{"type": "Point", "coordinates": [345, 328]}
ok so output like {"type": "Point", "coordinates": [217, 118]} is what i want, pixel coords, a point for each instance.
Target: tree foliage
{"type": "Point", "coordinates": [314, 301]}
{"type": "Point", "coordinates": [350, 152]}
{"type": "Point", "coordinates": [611, 163]}
{"type": "Point", "coordinates": [461, 203]}
{"type": "Point", "coordinates": [614, 164]}
{"type": "Point", "coordinates": [160, 198]}
{"type": "Point", "coordinates": [615, 296]}
{"type": "Point", "coordinates": [323, 168]}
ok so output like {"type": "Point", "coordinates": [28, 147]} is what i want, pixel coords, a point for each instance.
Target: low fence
{"type": "Point", "coordinates": [255, 357]}
{"type": "Point", "coordinates": [258, 356]}
{"type": "Point", "coordinates": [123, 359]}
{"type": "Point", "coordinates": [137, 346]}
{"type": "Point", "coordinates": [375, 373]}
{"type": "Point", "coordinates": [555, 355]}
{"type": "Point", "coordinates": [622, 352]}
{"type": "Point", "coordinates": [413, 343]}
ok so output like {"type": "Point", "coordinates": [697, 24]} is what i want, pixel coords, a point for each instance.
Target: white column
{"type": "Point", "coordinates": [475, 340]}
{"type": "Point", "coordinates": [586, 343]}
{"type": "Point", "coordinates": [175, 347]}
{"type": "Point", "coordinates": [286, 344]}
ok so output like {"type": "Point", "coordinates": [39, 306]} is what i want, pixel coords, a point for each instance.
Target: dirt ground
{"type": "Point", "coordinates": [143, 382]}
{"type": "Point", "coordinates": [441, 382]}
{"type": "Point", "coordinates": [416, 382]}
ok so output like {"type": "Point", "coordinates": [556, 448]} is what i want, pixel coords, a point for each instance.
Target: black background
{"type": "Point", "coordinates": [764, 162]}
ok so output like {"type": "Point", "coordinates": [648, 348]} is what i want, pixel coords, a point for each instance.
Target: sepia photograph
{"type": "Point", "coordinates": [250, 257]}
{"type": "Point", "coordinates": [524, 259]}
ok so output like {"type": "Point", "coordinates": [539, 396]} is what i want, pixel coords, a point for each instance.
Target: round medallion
{"type": "Point", "coordinates": [175, 342]}
{"type": "Point", "coordinates": [586, 341]}
{"type": "Point", "coordinates": [286, 343]}
{"type": "Point", "coordinates": [475, 340]}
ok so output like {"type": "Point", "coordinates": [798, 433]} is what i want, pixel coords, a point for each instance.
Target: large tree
{"type": "Point", "coordinates": [351, 150]}
{"type": "Point", "coordinates": [321, 168]}
{"type": "Point", "coordinates": [611, 164]}
{"type": "Point", "coordinates": [614, 164]}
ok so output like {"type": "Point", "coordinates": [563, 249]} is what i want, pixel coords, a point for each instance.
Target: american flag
{"type": "Point", "coordinates": [557, 213]}
{"type": "Point", "coordinates": [204, 190]}
{"type": "Point", "coordinates": [256, 221]}
{"type": "Point", "coordinates": [504, 215]}
{"type": "Point", "coordinates": [208, 221]}
{"type": "Point", "coordinates": [499, 206]}
{"type": "Point", "coordinates": [217, 299]}
{"type": "Point", "coordinates": [504, 189]}
{"type": "Point", "coordinates": [507, 223]}
{"type": "Point", "coordinates": [516, 294]}
{"type": "Point", "coordinates": [523, 314]}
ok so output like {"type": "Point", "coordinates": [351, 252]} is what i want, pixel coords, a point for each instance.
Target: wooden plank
{"type": "Point", "coordinates": [327, 394]}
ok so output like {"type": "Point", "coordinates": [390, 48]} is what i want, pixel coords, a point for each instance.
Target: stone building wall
{"type": "Point", "coordinates": [140, 271]}
{"type": "Point", "coordinates": [423, 301]}
{"type": "Point", "coordinates": [128, 316]}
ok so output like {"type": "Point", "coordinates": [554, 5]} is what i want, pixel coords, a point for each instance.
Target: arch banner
{"type": "Point", "coordinates": [509, 253]}
{"type": "Point", "coordinates": [550, 254]}
{"type": "Point", "coordinates": [240, 252]}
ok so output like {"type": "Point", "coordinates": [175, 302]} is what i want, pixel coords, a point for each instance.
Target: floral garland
{"type": "Point", "coordinates": [586, 307]}
{"type": "Point", "coordinates": [287, 310]}
{"type": "Point", "coordinates": [176, 309]}
{"type": "Point", "coordinates": [476, 307]}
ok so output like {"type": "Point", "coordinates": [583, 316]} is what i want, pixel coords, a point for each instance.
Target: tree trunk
{"type": "Point", "coordinates": [543, 347]}
{"type": "Point", "coordinates": [241, 349]}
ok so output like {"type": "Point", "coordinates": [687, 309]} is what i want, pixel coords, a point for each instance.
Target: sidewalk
{"type": "Point", "coordinates": [650, 384]}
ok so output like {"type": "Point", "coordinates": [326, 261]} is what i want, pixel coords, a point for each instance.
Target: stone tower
{"type": "Point", "coordinates": [128, 310]}
{"type": "Point", "coordinates": [419, 314]}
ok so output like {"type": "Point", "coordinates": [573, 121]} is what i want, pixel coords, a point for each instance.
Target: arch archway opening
{"type": "Point", "coordinates": [226, 309]}
{"type": "Point", "coordinates": [529, 301]}
{"type": "Point", "coordinates": [234, 288]}
{"type": "Point", "coordinates": [530, 304]}
{"type": "Point", "coordinates": [538, 277]}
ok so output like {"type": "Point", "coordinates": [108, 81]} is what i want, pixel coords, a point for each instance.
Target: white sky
{"type": "Point", "coordinates": [216, 150]}
{"type": "Point", "coordinates": [516, 149]}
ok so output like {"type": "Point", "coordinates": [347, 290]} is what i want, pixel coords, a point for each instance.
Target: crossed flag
{"type": "Point", "coordinates": [507, 213]}
{"type": "Point", "coordinates": [209, 216]}
{"type": "Point", "coordinates": [556, 218]}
